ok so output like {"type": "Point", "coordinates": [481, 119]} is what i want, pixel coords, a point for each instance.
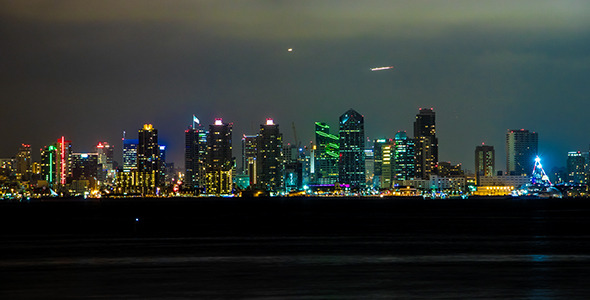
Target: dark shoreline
{"type": "Point", "coordinates": [205, 217]}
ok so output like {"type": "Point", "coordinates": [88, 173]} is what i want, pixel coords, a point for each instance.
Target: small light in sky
{"type": "Point", "coordinates": [290, 49]}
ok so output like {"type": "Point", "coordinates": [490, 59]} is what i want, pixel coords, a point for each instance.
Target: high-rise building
{"type": "Point", "coordinates": [326, 155]}
{"type": "Point", "coordinates": [194, 157]}
{"type": "Point", "coordinates": [387, 168]}
{"type": "Point", "coordinates": [369, 165]}
{"type": "Point", "coordinates": [49, 158]}
{"type": "Point", "coordinates": [403, 158]}
{"type": "Point", "coordinates": [64, 160]}
{"type": "Point", "coordinates": [85, 166]}
{"type": "Point", "coordinates": [426, 143]}
{"type": "Point", "coordinates": [219, 161]}
{"type": "Point", "coordinates": [130, 154]}
{"type": "Point", "coordinates": [105, 153]}
{"type": "Point", "coordinates": [105, 160]}
{"type": "Point", "coordinates": [485, 161]}
{"type": "Point", "coordinates": [270, 157]}
{"type": "Point", "coordinates": [163, 166]}
{"type": "Point", "coordinates": [351, 164]}
{"type": "Point", "coordinates": [576, 174]}
{"type": "Point", "coordinates": [378, 161]}
{"type": "Point", "coordinates": [23, 162]}
{"type": "Point", "coordinates": [249, 153]}
{"type": "Point", "coordinates": [148, 149]}
{"type": "Point", "coordinates": [148, 159]}
{"type": "Point", "coordinates": [521, 150]}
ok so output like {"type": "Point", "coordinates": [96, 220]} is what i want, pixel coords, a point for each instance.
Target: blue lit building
{"type": "Point", "coordinates": [130, 154]}
{"type": "Point", "coordinates": [404, 167]}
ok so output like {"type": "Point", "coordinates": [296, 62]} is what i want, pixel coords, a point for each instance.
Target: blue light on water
{"type": "Point", "coordinates": [539, 258]}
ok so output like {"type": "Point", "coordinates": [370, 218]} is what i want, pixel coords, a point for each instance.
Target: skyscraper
{"type": "Point", "coordinates": [326, 154]}
{"type": "Point", "coordinates": [130, 154]}
{"type": "Point", "coordinates": [148, 159]}
{"type": "Point", "coordinates": [426, 143]}
{"type": "Point", "coordinates": [378, 161]}
{"type": "Point", "coordinates": [270, 157]}
{"type": "Point", "coordinates": [576, 174]}
{"type": "Point", "coordinates": [49, 164]}
{"type": "Point", "coordinates": [485, 161]}
{"type": "Point", "coordinates": [195, 152]}
{"type": "Point", "coordinates": [105, 160]}
{"type": "Point", "coordinates": [64, 160]}
{"type": "Point", "coordinates": [219, 161]}
{"type": "Point", "coordinates": [249, 152]}
{"type": "Point", "coordinates": [23, 162]}
{"type": "Point", "coordinates": [85, 166]}
{"type": "Point", "coordinates": [521, 150]}
{"type": "Point", "coordinates": [403, 157]}
{"type": "Point", "coordinates": [163, 166]}
{"type": "Point", "coordinates": [105, 153]}
{"type": "Point", "coordinates": [351, 164]}
{"type": "Point", "coordinates": [387, 152]}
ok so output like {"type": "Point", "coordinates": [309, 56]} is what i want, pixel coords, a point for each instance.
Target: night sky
{"type": "Point", "coordinates": [91, 69]}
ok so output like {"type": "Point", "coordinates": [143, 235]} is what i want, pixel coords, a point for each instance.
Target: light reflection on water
{"type": "Point", "coordinates": [335, 260]}
{"type": "Point", "coordinates": [298, 268]}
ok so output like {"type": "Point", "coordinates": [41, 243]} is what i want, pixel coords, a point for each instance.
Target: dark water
{"type": "Point", "coordinates": [504, 251]}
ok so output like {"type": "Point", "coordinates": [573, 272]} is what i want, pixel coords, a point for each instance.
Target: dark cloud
{"type": "Point", "coordinates": [89, 70]}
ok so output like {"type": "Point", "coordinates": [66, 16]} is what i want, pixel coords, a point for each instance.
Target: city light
{"type": "Point", "coordinates": [62, 160]}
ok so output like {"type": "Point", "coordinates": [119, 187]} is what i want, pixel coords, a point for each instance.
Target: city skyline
{"type": "Point", "coordinates": [237, 153]}
{"type": "Point", "coordinates": [88, 71]}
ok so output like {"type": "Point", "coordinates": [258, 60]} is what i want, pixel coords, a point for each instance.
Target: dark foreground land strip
{"type": "Point", "coordinates": [294, 216]}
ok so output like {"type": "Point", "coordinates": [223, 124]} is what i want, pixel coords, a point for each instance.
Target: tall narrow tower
{"type": "Point", "coordinates": [270, 157]}
{"type": "Point", "coordinates": [351, 164]}
{"type": "Point", "coordinates": [148, 159]}
{"type": "Point", "coordinates": [64, 160]}
{"type": "Point", "coordinates": [219, 162]}
{"type": "Point", "coordinates": [195, 138]}
{"type": "Point", "coordinates": [426, 143]}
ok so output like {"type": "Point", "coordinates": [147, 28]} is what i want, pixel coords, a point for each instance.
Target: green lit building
{"type": "Point", "coordinates": [326, 155]}
{"type": "Point", "coordinates": [48, 164]}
